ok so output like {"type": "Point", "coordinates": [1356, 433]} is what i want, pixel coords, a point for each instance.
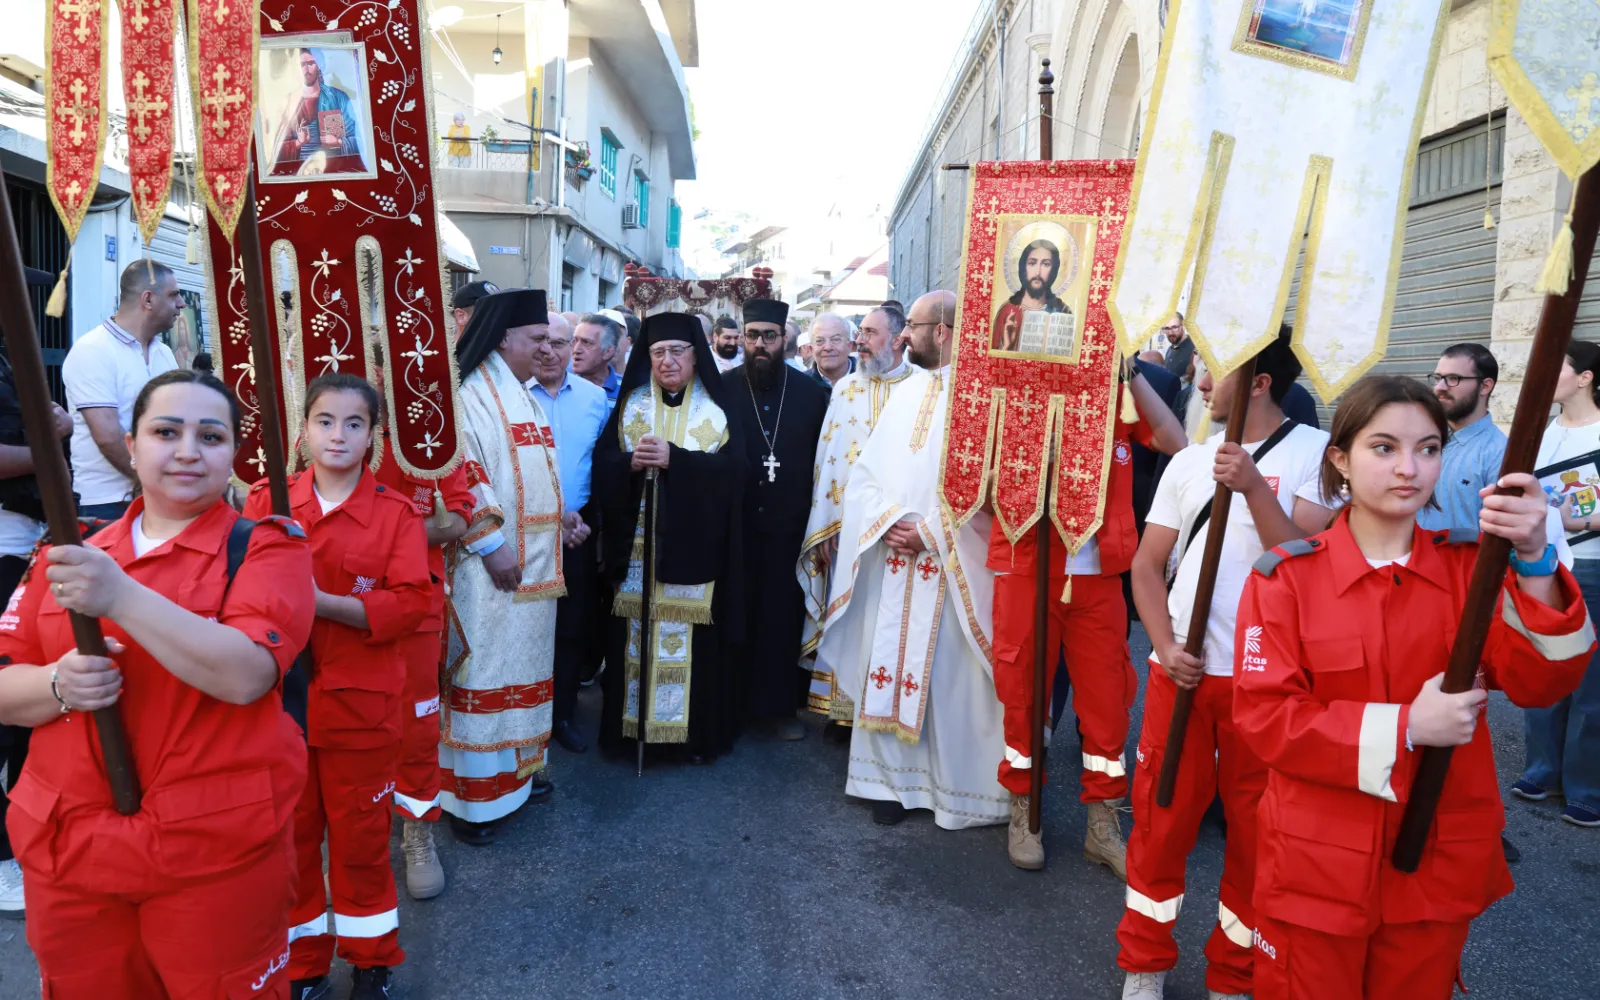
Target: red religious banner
{"type": "Point", "coordinates": [75, 94]}
{"type": "Point", "coordinates": [222, 62]}
{"type": "Point", "coordinates": [348, 224]}
{"type": "Point", "coordinates": [645, 293]}
{"type": "Point", "coordinates": [1035, 365]}
{"type": "Point", "coordinates": [148, 30]}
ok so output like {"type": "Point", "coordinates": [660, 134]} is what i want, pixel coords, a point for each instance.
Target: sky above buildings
{"type": "Point", "coordinates": [805, 103]}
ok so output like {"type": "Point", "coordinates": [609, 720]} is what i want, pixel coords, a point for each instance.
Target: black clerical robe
{"type": "Point", "coordinates": [777, 504]}
{"type": "Point", "coordinates": [697, 540]}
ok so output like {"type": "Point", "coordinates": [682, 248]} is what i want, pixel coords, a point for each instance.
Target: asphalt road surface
{"type": "Point", "coordinates": [756, 877]}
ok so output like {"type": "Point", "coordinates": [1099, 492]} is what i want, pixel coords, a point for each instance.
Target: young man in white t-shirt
{"type": "Point", "coordinates": [104, 371]}
{"type": "Point", "coordinates": [1276, 499]}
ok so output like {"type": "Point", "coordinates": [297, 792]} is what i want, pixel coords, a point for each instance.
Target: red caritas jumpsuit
{"type": "Point", "coordinates": [190, 896]}
{"type": "Point", "coordinates": [416, 793]}
{"type": "Point", "coordinates": [371, 547]}
{"type": "Point", "coordinates": [1092, 626]}
{"type": "Point", "coordinates": [1330, 654]}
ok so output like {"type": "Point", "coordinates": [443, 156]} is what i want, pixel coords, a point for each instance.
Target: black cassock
{"type": "Point", "coordinates": [776, 508]}
{"type": "Point", "coordinates": [698, 511]}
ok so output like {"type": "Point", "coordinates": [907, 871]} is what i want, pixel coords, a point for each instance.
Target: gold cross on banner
{"type": "Point", "coordinates": [1099, 284]}
{"type": "Point", "coordinates": [143, 105]}
{"type": "Point", "coordinates": [1078, 474]}
{"type": "Point", "coordinates": [222, 12]}
{"type": "Point", "coordinates": [1109, 214]}
{"type": "Point", "coordinates": [77, 111]}
{"type": "Point", "coordinates": [1021, 464]}
{"type": "Point", "coordinates": [988, 216]}
{"type": "Point", "coordinates": [221, 99]}
{"type": "Point", "coordinates": [1026, 406]}
{"type": "Point", "coordinates": [835, 492]}
{"type": "Point", "coordinates": [974, 398]}
{"type": "Point", "coordinates": [1581, 122]}
{"type": "Point", "coordinates": [1049, 205]}
{"type": "Point", "coordinates": [82, 10]}
{"type": "Point", "coordinates": [968, 456]}
{"type": "Point", "coordinates": [139, 19]}
{"type": "Point", "coordinates": [1083, 411]}
{"type": "Point", "coordinates": [1089, 345]}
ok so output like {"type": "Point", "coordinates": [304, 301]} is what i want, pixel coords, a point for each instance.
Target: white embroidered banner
{"type": "Point", "coordinates": [1276, 124]}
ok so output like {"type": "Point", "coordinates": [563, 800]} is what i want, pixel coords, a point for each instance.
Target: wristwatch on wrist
{"type": "Point", "coordinates": [55, 673]}
{"type": "Point", "coordinates": [1544, 566]}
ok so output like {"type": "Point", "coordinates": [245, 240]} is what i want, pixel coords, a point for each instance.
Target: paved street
{"type": "Point", "coordinates": [757, 878]}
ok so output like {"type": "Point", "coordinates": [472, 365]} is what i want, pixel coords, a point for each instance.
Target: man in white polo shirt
{"type": "Point", "coordinates": [104, 372]}
{"type": "Point", "coordinates": [1276, 476]}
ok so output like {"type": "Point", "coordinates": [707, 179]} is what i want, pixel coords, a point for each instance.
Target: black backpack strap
{"type": "Point", "coordinates": [238, 545]}
{"type": "Point", "coordinates": [1283, 431]}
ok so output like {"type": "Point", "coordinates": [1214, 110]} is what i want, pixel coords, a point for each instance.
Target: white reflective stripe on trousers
{"type": "Point", "coordinates": [416, 807]}
{"type": "Point", "coordinates": [1163, 911]}
{"type": "Point", "coordinates": [1017, 760]}
{"type": "Point", "coordinates": [1105, 765]}
{"type": "Point", "coordinates": [311, 928]}
{"type": "Point", "coordinates": [376, 925]}
{"type": "Point", "coordinates": [1233, 927]}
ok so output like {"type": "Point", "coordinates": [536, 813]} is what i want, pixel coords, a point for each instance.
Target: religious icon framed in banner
{"type": "Point", "coordinates": [1572, 486]}
{"type": "Point", "coordinates": [315, 118]}
{"type": "Point", "coordinates": [1040, 285]}
{"type": "Point", "coordinates": [1323, 35]}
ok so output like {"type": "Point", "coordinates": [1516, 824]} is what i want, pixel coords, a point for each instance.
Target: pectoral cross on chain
{"type": "Point", "coordinates": [772, 464]}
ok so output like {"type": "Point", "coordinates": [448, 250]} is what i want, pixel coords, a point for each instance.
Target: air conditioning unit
{"type": "Point", "coordinates": [630, 217]}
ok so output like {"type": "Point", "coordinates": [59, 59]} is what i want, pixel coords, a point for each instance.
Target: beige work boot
{"type": "Point", "coordinates": [1103, 843]}
{"type": "Point", "coordinates": [424, 873]}
{"type": "Point", "coordinates": [1144, 986]}
{"type": "Point", "coordinates": [1026, 848]}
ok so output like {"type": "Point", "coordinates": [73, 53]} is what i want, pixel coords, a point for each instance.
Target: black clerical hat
{"type": "Point", "coordinates": [493, 316]}
{"type": "Point", "coordinates": [671, 326]}
{"type": "Point", "coordinates": [469, 295]}
{"type": "Point", "coordinates": [766, 311]}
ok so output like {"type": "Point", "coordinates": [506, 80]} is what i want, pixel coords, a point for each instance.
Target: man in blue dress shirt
{"type": "Point", "coordinates": [1463, 380]}
{"type": "Point", "coordinates": [577, 410]}
{"type": "Point", "coordinates": [594, 350]}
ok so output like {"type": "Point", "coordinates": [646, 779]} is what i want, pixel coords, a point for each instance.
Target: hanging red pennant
{"type": "Point", "coordinates": [75, 93]}
{"type": "Point", "coordinates": [223, 40]}
{"type": "Point", "coordinates": [149, 28]}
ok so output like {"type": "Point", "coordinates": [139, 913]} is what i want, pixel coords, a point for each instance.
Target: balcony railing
{"type": "Point", "coordinates": [478, 153]}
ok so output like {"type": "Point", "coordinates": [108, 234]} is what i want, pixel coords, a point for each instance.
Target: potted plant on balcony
{"type": "Point", "coordinates": [494, 144]}
{"type": "Point", "coordinates": [578, 162]}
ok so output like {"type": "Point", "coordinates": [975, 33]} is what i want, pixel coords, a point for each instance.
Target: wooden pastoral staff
{"type": "Point", "coordinates": [1034, 404]}
{"type": "Point", "coordinates": [246, 56]}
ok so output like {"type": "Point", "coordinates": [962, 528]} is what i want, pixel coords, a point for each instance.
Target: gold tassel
{"type": "Point", "coordinates": [1066, 592]}
{"type": "Point", "coordinates": [191, 252]}
{"type": "Point", "coordinates": [1130, 413]}
{"type": "Point", "coordinates": [441, 516]}
{"type": "Point", "coordinates": [57, 306]}
{"type": "Point", "coordinates": [1557, 273]}
{"type": "Point", "coordinates": [1488, 219]}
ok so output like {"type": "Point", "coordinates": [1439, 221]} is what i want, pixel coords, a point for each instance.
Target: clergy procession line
{"type": "Point", "coordinates": [724, 549]}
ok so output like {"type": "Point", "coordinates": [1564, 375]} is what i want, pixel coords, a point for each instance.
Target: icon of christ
{"type": "Point", "coordinates": [320, 118]}
{"type": "Point", "coordinates": [1035, 320]}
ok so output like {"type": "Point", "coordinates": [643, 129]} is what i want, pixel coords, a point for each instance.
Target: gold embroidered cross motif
{"type": "Point", "coordinates": [835, 492]}
{"type": "Point", "coordinates": [1089, 345]}
{"type": "Point", "coordinates": [138, 18]}
{"type": "Point", "coordinates": [853, 452]}
{"type": "Point", "coordinates": [851, 391]}
{"type": "Point", "coordinates": [1078, 474]}
{"type": "Point", "coordinates": [833, 425]}
{"type": "Point", "coordinates": [637, 426]}
{"type": "Point", "coordinates": [1049, 205]}
{"type": "Point", "coordinates": [1342, 286]}
{"type": "Point", "coordinates": [1026, 406]}
{"type": "Point", "coordinates": [705, 435]}
{"type": "Point", "coordinates": [672, 643]}
{"type": "Point", "coordinates": [974, 398]}
{"type": "Point", "coordinates": [221, 99]}
{"type": "Point", "coordinates": [1109, 214]}
{"type": "Point", "coordinates": [1100, 283]}
{"type": "Point", "coordinates": [1361, 189]}
{"type": "Point", "coordinates": [968, 456]}
{"type": "Point", "coordinates": [143, 105]}
{"type": "Point", "coordinates": [1083, 411]}
{"type": "Point", "coordinates": [77, 111]}
{"type": "Point", "coordinates": [82, 10]}
{"type": "Point", "coordinates": [222, 12]}
{"type": "Point", "coordinates": [988, 216]}
{"type": "Point", "coordinates": [1021, 465]}
{"type": "Point", "coordinates": [1581, 122]}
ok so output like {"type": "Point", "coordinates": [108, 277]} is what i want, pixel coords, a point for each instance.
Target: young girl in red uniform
{"type": "Point", "coordinates": [370, 561]}
{"type": "Point", "coordinates": [1342, 642]}
{"type": "Point", "coordinates": [190, 896]}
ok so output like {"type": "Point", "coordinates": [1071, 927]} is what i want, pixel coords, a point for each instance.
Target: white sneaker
{"type": "Point", "coordinates": [1144, 986]}
{"type": "Point", "coordinates": [11, 890]}
{"type": "Point", "coordinates": [1214, 995]}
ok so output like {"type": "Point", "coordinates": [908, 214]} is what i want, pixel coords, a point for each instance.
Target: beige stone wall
{"type": "Point", "coordinates": [1462, 87]}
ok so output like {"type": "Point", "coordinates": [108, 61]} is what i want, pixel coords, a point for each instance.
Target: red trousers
{"type": "Point", "coordinates": [416, 792]}
{"type": "Point", "coordinates": [1396, 962]}
{"type": "Point", "coordinates": [1214, 759]}
{"type": "Point", "coordinates": [1094, 629]}
{"type": "Point", "coordinates": [220, 937]}
{"type": "Point", "coordinates": [347, 796]}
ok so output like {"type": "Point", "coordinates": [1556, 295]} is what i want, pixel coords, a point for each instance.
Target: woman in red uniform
{"type": "Point", "coordinates": [1342, 642]}
{"type": "Point", "coordinates": [370, 562]}
{"type": "Point", "coordinates": [188, 898]}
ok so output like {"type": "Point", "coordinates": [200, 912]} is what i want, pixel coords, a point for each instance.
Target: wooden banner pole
{"type": "Point", "coordinates": [1488, 572]}
{"type": "Point", "coordinates": [55, 486]}
{"type": "Point", "coordinates": [1042, 664]}
{"type": "Point", "coordinates": [262, 357]}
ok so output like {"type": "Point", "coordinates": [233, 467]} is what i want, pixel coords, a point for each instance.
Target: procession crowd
{"type": "Point", "coordinates": [641, 505]}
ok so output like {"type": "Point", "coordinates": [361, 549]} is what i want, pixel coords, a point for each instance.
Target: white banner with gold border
{"type": "Point", "coordinates": [1277, 124]}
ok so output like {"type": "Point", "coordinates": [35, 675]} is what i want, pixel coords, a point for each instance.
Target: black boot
{"type": "Point", "coordinates": [887, 812]}
{"type": "Point", "coordinates": [370, 984]}
{"type": "Point", "coordinates": [567, 736]}
{"type": "Point", "coordinates": [474, 834]}
{"type": "Point", "coordinates": [309, 989]}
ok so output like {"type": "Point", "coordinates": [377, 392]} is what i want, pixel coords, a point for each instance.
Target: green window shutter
{"type": "Point", "coordinates": [608, 166]}
{"type": "Point", "coordinates": [674, 224]}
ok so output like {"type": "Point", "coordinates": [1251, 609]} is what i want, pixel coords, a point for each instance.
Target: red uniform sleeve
{"type": "Point", "coordinates": [1538, 654]}
{"type": "Point", "coordinates": [19, 625]}
{"type": "Point", "coordinates": [399, 603]}
{"type": "Point", "coordinates": [258, 504]}
{"type": "Point", "coordinates": [457, 493]}
{"type": "Point", "coordinates": [1342, 744]}
{"type": "Point", "coordinates": [273, 598]}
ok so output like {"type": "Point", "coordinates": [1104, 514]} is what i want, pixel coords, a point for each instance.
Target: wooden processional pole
{"type": "Point", "coordinates": [248, 239]}
{"type": "Point", "coordinates": [55, 486]}
{"type": "Point", "coordinates": [1488, 572]}
{"type": "Point", "coordinates": [1041, 598]}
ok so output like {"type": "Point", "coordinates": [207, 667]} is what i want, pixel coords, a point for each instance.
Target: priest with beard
{"type": "Point", "coordinates": [670, 433]}
{"type": "Point", "coordinates": [780, 411]}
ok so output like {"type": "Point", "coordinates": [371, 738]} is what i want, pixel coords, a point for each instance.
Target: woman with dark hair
{"type": "Point", "coordinates": [370, 564]}
{"type": "Point", "coordinates": [189, 896]}
{"type": "Point", "coordinates": [1563, 741]}
{"type": "Point", "coordinates": [1342, 643]}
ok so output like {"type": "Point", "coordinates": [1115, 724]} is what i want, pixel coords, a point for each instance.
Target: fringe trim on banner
{"type": "Point", "coordinates": [1557, 273]}
{"type": "Point", "coordinates": [57, 306]}
{"type": "Point", "coordinates": [1130, 413]}
{"type": "Point", "coordinates": [661, 610]}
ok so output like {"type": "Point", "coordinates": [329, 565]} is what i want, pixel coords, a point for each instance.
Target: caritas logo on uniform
{"type": "Point", "coordinates": [1269, 950]}
{"type": "Point", "coordinates": [1254, 662]}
